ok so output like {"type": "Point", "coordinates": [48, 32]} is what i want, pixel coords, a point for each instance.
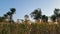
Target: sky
{"type": "Point", "coordinates": [24, 7]}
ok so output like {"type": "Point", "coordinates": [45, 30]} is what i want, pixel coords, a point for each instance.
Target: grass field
{"type": "Point", "coordinates": [26, 28]}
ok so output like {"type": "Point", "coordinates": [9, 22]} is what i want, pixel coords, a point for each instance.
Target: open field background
{"type": "Point", "coordinates": [41, 25]}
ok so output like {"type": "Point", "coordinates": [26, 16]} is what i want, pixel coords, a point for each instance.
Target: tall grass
{"type": "Point", "coordinates": [33, 28]}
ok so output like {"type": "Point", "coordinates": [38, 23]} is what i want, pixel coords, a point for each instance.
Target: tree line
{"type": "Point", "coordinates": [36, 15]}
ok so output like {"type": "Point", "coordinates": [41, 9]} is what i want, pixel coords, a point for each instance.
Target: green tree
{"type": "Point", "coordinates": [26, 17]}
{"type": "Point", "coordinates": [56, 14]}
{"type": "Point", "coordinates": [10, 14]}
{"type": "Point", "coordinates": [56, 11]}
{"type": "Point", "coordinates": [44, 18]}
{"type": "Point", "coordinates": [53, 18]}
{"type": "Point", "coordinates": [36, 14]}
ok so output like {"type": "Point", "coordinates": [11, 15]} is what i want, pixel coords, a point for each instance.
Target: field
{"type": "Point", "coordinates": [26, 28]}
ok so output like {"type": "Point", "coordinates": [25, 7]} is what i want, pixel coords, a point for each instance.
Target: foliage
{"type": "Point", "coordinates": [36, 14]}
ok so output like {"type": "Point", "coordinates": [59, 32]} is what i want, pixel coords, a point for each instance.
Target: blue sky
{"type": "Point", "coordinates": [27, 6]}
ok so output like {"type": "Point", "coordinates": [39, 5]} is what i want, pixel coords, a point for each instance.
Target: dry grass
{"type": "Point", "coordinates": [26, 28]}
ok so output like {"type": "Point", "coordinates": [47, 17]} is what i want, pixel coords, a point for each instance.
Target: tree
{"type": "Point", "coordinates": [12, 10]}
{"type": "Point", "coordinates": [26, 17]}
{"type": "Point", "coordinates": [36, 14]}
{"type": "Point", "coordinates": [10, 14]}
{"type": "Point", "coordinates": [57, 14]}
{"type": "Point", "coordinates": [44, 18]}
{"type": "Point", "coordinates": [5, 15]}
{"type": "Point", "coordinates": [56, 11]}
{"type": "Point", "coordinates": [53, 18]}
